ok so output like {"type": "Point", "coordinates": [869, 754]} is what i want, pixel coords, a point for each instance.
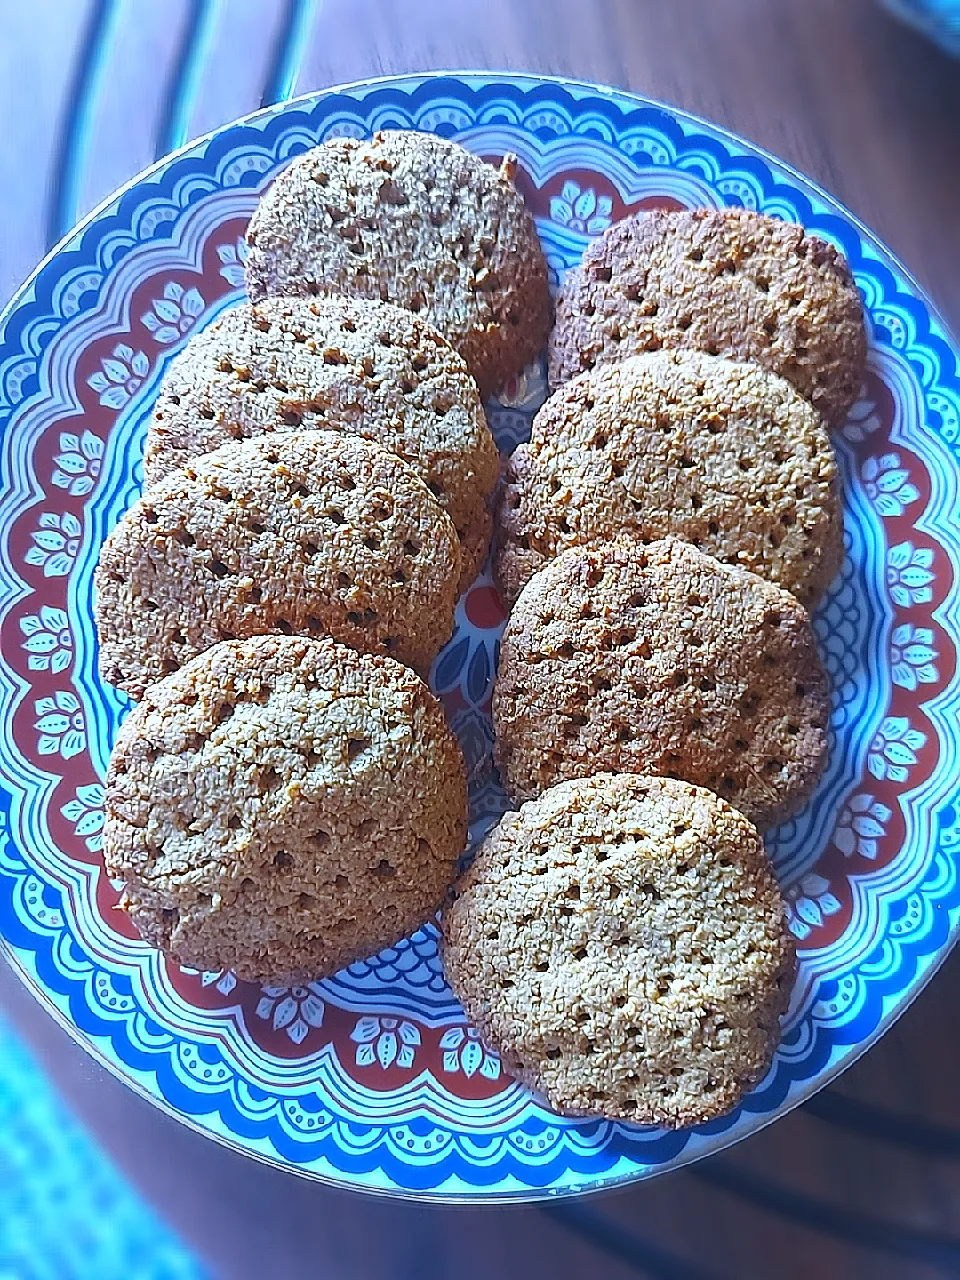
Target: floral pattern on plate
{"type": "Point", "coordinates": [373, 1078]}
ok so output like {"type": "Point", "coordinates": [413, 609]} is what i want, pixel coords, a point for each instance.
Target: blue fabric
{"type": "Point", "coordinates": [66, 1213]}
{"type": "Point", "coordinates": [939, 19]}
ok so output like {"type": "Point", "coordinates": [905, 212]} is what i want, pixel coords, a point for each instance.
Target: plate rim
{"type": "Point", "coordinates": [479, 1195]}
{"type": "Point", "coordinates": [508, 76]}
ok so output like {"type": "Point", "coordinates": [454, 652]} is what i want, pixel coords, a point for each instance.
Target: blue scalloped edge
{"type": "Point", "coordinates": [591, 1164]}
{"type": "Point", "coordinates": [379, 1166]}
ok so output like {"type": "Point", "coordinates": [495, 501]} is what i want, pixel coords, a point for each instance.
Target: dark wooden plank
{"type": "Point", "coordinates": [873, 113]}
{"type": "Point", "coordinates": [240, 1214]}
{"type": "Point", "coordinates": [840, 90]}
{"type": "Point", "coordinates": [245, 40]}
{"type": "Point", "coordinates": [127, 107]}
{"type": "Point", "coordinates": [31, 123]}
{"type": "Point", "coordinates": [252, 1221]}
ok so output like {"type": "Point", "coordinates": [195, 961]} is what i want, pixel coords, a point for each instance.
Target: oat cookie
{"type": "Point", "coordinates": [730, 282]}
{"type": "Point", "coordinates": [416, 220]}
{"type": "Point", "coordinates": [660, 659]}
{"type": "Point", "coordinates": [367, 368]}
{"type": "Point", "coordinates": [622, 944]}
{"type": "Point", "coordinates": [282, 807]}
{"type": "Point", "coordinates": [723, 454]}
{"type": "Point", "coordinates": [311, 533]}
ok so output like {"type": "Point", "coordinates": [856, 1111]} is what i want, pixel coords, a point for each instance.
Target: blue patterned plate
{"type": "Point", "coordinates": [374, 1079]}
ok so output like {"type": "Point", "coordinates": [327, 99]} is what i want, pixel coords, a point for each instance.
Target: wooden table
{"type": "Point", "coordinates": [865, 1180]}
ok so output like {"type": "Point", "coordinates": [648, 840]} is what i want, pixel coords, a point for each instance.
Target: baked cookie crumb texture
{"type": "Point", "coordinates": [729, 282]}
{"type": "Point", "coordinates": [340, 364]}
{"type": "Point", "coordinates": [282, 806]}
{"type": "Point", "coordinates": [723, 454]}
{"type": "Point", "coordinates": [310, 533]}
{"type": "Point", "coordinates": [415, 220]}
{"type": "Point", "coordinates": [659, 659]}
{"type": "Point", "coordinates": [622, 944]}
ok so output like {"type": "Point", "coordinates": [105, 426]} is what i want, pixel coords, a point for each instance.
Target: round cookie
{"type": "Point", "coordinates": [659, 659]}
{"type": "Point", "coordinates": [345, 365]}
{"type": "Point", "coordinates": [416, 220]}
{"type": "Point", "coordinates": [311, 533]}
{"type": "Point", "coordinates": [730, 282]}
{"type": "Point", "coordinates": [622, 944]}
{"type": "Point", "coordinates": [722, 454]}
{"type": "Point", "coordinates": [282, 807]}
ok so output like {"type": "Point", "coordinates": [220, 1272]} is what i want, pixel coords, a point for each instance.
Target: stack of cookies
{"type": "Point", "coordinates": [677, 510]}
{"type": "Point", "coordinates": [660, 701]}
{"type": "Point", "coordinates": [287, 796]}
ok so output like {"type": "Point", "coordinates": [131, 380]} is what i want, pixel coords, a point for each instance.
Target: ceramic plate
{"type": "Point", "coordinates": [374, 1079]}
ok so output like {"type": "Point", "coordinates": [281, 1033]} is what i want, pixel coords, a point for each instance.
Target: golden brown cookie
{"type": "Point", "coordinates": [622, 944]}
{"type": "Point", "coordinates": [723, 454]}
{"type": "Point", "coordinates": [416, 220]}
{"type": "Point", "coordinates": [282, 807]}
{"type": "Point", "coordinates": [659, 659]}
{"type": "Point", "coordinates": [373, 370]}
{"type": "Point", "coordinates": [730, 282]}
{"type": "Point", "coordinates": [310, 533]}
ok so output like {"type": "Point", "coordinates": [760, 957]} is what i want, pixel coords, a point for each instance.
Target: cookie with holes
{"type": "Point", "coordinates": [282, 807]}
{"type": "Point", "coordinates": [622, 944]}
{"type": "Point", "coordinates": [309, 533]}
{"type": "Point", "coordinates": [721, 453]}
{"type": "Point", "coordinates": [366, 368]}
{"type": "Point", "coordinates": [730, 282]}
{"type": "Point", "coordinates": [660, 659]}
{"type": "Point", "coordinates": [415, 220]}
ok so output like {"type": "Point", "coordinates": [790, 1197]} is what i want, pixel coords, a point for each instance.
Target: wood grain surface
{"type": "Point", "coordinates": [864, 1181]}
